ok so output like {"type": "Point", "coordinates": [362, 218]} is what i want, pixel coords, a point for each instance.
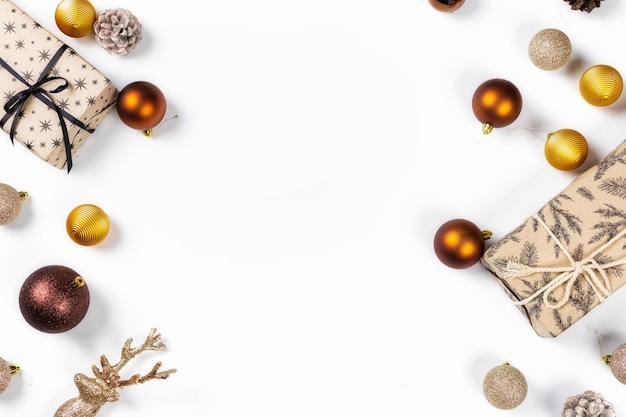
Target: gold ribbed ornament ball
{"type": "Point", "coordinates": [549, 49]}
{"type": "Point", "coordinates": [505, 387]}
{"type": "Point", "coordinates": [566, 149]}
{"type": "Point", "coordinates": [601, 85]}
{"type": "Point", "coordinates": [75, 18]}
{"type": "Point", "coordinates": [10, 203]}
{"type": "Point", "coordinates": [87, 225]}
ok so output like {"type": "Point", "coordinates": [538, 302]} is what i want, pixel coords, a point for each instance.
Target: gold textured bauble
{"type": "Point", "coordinates": [549, 49]}
{"type": "Point", "coordinates": [87, 225]}
{"type": "Point", "coordinates": [6, 372]}
{"type": "Point", "coordinates": [601, 85]}
{"type": "Point", "coordinates": [75, 18]}
{"type": "Point", "coordinates": [617, 363]}
{"type": "Point", "coordinates": [505, 387]}
{"type": "Point", "coordinates": [566, 149]}
{"type": "Point", "coordinates": [10, 203]}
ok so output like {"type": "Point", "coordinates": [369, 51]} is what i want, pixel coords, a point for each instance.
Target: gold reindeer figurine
{"type": "Point", "coordinates": [93, 393]}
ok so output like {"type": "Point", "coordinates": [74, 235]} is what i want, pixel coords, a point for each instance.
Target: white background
{"type": "Point", "coordinates": [278, 233]}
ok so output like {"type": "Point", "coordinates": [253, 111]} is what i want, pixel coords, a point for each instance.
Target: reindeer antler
{"type": "Point", "coordinates": [110, 373]}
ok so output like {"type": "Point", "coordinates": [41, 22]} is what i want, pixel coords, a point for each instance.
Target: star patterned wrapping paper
{"type": "Point", "coordinates": [570, 256]}
{"type": "Point", "coordinates": [51, 98]}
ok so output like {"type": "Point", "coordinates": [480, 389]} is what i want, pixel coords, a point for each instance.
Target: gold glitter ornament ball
{"type": "Point", "coordinates": [566, 149]}
{"type": "Point", "coordinates": [87, 225]}
{"type": "Point", "coordinates": [601, 85]}
{"type": "Point", "coordinates": [505, 387]}
{"type": "Point", "coordinates": [10, 203]}
{"type": "Point", "coordinates": [75, 18]}
{"type": "Point", "coordinates": [6, 371]}
{"type": "Point", "coordinates": [617, 363]}
{"type": "Point", "coordinates": [550, 49]}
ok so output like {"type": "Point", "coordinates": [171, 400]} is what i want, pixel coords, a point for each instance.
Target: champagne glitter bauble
{"type": "Point", "coordinates": [141, 105]}
{"type": "Point", "coordinates": [54, 299]}
{"type": "Point", "coordinates": [10, 203]}
{"type": "Point", "coordinates": [75, 18]}
{"type": "Point", "coordinates": [505, 387]}
{"type": "Point", "coordinates": [87, 225]}
{"type": "Point", "coordinates": [566, 149]}
{"type": "Point", "coordinates": [446, 5]}
{"type": "Point", "coordinates": [617, 362]}
{"type": "Point", "coordinates": [459, 243]}
{"type": "Point", "coordinates": [601, 85]}
{"type": "Point", "coordinates": [549, 49]}
{"type": "Point", "coordinates": [496, 103]}
{"type": "Point", "coordinates": [6, 372]}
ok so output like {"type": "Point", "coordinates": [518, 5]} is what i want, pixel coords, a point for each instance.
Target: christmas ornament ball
{"type": "Point", "coordinates": [549, 49]}
{"type": "Point", "coordinates": [6, 371]}
{"type": "Point", "coordinates": [10, 203]}
{"type": "Point", "coordinates": [87, 224]}
{"type": "Point", "coordinates": [54, 299]}
{"type": "Point", "coordinates": [601, 85]}
{"type": "Point", "coordinates": [566, 149]}
{"type": "Point", "coordinates": [75, 18]}
{"type": "Point", "coordinates": [617, 363]}
{"type": "Point", "coordinates": [505, 387]}
{"type": "Point", "coordinates": [141, 105]}
{"type": "Point", "coordinates": [459, 243]}
{"type": "Point", "coordinates": [496, 103]}
{"type": "Point", "coordinates": [446, 5]}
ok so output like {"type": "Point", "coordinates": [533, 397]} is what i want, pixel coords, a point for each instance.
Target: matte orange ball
{"type": "Point", "coordinates": [446, 5]}
{"type": "Point", "coordinates": [459, 243]}
{"type": "Point", "coordinates": [496, 103]}
{"type": "Point", "coordinates": [141, 105]}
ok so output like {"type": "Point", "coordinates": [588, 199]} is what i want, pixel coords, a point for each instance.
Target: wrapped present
{"type": "Point", "coordinates": [52, 99]}
{"type": "Point", "coordinates": [569, 256]}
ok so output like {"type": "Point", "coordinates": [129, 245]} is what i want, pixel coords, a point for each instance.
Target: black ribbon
{"type": "Point", "coordinates": [15, 104]}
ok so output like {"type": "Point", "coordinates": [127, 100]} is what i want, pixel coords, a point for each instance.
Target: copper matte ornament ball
{"type": "Point", "coordinates": [141, 105]}
{"type": "Point", "coordinates": [496, 103]}
{"type": "Point", "coordinates": [54, 299]}
{"type": "Point", "coordinates": [459, 243]}
{"type": "Point", "coordinates": [446, 5]}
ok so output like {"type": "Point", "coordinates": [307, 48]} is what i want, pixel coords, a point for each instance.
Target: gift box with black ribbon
{"type": "Point", "coordinates": [51, 99]}
{"type": "Point", "coordinates": [570, 256]}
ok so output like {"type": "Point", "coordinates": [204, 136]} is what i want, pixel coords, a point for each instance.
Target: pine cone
{"type": "Point", "coordinates": [584, 5]}
{"type": "Point", "coordinates": [588, 404]}
{"type": "Point", "coordinates": [117, 31]}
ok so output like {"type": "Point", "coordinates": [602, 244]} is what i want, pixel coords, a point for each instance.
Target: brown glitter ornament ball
{"type": "Point", "coordinates": [446, 5]}
{"type": "Point", "coordinates": [601, 85]}
{"type": "Point", "coordinates": [496, 103]}
{"type": "Point", "coordinates": [550, 49]}
{"type": "Point", "coordinates": [566, 149]}
{"type": "Point", "coordinates": [75, 18]}
{"type": "Point", "coordinates": [10, 203]}
{"type": "Point", "coordinates": [505, 387]}
{"type": "Point", "coordinates": [459, 243]}
{"type": "Point", "coordinates": [141, 105]}
{"type": "Point", "coordinates": [87, 225]}
{"type": "Point", "coordinates": [617, 363]}
{"type": "Point", "coordinates": [6, 372]}
{"type": "Point", "coordinates": [54, 299]}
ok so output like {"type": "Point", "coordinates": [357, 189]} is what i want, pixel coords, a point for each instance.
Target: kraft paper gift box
{"type": "Point", "coordinates": [51, 98]}
{"type": "Point", "coordinates": [570, 256]}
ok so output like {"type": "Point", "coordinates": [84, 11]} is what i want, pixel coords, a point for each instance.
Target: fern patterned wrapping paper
{"type": "Point", "coordinates": [51, 98]}
{"type": "Point", "coordinates": [570, 256]}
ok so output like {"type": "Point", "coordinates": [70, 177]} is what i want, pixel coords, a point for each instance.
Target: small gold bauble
{"type": "Point", "coordinates": [87, 225]}
{"type": "Point", "coordinates": [601, 85]}
{"type": "Point", "coordinates": [6, 371]}
{"type": "Point", "coordinates": [566, 149]}
{"type": "Point", "coordinates": [549, 49]}
{"type": "Point", "coordinates": [75, 18]}
{"type": "Point", "coordinates": [505, 387]}
{"type": "Point", "coordinates": [10, 203]}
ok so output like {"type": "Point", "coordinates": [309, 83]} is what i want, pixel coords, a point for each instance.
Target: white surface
{"type": "Point", "coordinates": [279, 232]}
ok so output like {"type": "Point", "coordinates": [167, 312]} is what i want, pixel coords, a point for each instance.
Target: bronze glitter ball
{"type": "Point", "coordinates": [505, 387]}
{"type": "Point", "coordinates": [54, 299]}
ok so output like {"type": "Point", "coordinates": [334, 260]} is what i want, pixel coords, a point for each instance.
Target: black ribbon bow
{"type": "Point", "coordinates": [15, 105]}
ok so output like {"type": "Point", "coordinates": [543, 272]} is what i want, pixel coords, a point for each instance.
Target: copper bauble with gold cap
{"type": "Point", "coordinates": [496, 103]}
{"type": "Point", "coordinates": [141, 105]}
{"type": "Point", "coordinates": [566, 149]}
{"type": "Point", "coordinates": [75, 18]}
{"type": "Point", "coordinates": [601, 85]}
{"type": "Point", "coordinates": [459, 243]}
{"type": "Point", "coordinates": [446, 5]}
{"type": "Point", "coordinates": [87, 224]}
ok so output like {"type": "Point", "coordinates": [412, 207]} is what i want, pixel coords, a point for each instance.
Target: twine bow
{"type": "Point", "coordinates": [14, 105]}
{"type": "Point", "coordinates": [589, 269]}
